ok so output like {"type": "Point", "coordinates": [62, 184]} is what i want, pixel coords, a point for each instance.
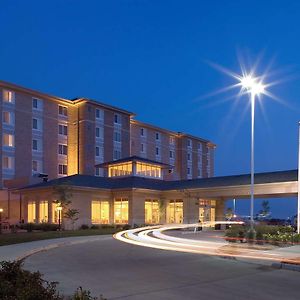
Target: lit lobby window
{"type": "Point", "coordinates": [121, 211]}
{"type": "Point", "coordinates": [120, 170]}
{"type": "Point", "coordinates": [100, 212]}
{"type": "Point", "coordinates": [55, 213]}
{"type": "Point", "coordinates": [175, 211]}
{"type": "Point", "coordinates": [147, 170]}
{"type": "Point", "coordinates": [31, 212]}
{"type": "Point", "coordinates": [43, 212]}
{"type": "Point", "coordinates": [151, 211]}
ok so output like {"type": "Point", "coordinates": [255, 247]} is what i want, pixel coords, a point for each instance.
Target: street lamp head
{"type": "Point", "coordinates": [1, 210]}
{"type": "Point", "coordinates": [252, 85]}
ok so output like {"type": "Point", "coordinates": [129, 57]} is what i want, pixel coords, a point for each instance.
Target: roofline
{"type": "Point", "coordinates": [111, 107]}
{"type": "Point", "coordinates": [133, 121]}
{"type": "Point", "coordinates": [31, 91]}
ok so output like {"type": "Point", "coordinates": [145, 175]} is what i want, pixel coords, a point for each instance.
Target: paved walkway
{"type": "Point", "coordinates": [23, 250]}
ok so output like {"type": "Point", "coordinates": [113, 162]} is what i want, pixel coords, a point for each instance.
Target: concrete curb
{"type": "Point", "coordinates": [287, 266]}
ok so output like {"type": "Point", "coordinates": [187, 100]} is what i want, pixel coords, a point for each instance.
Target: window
{"type": "Point", "coordinates": [8, 140]}
{"type": "Point", "coordinates": [8, 162]}
{"type": "Point", "coordinates": [171, 154]}
{"type": "Point", "coordinates": [189, 156]}
{"type": "Point", "coordinates": [62, 129]}
{"type": "Point", "coordinates": [117, 119]}
{"type": "Point", "coordinates": [120, 170]}
{"type": "Point", "coordinates": [142, 147]}
{"type": "Point", "coordinates": [37, 124]}
{"type": "Point", "coordinates": [37, 145]}
{"type": "Point", "coordinates": [62, 110]}
{"type": "Point", "coordinates": [142, 132]}
{"type": "Point", "coordinates": [62, 149]}
{"type": "Point", "coordinates": [117, 136]}
{"type": "Point", "coordinates": [199, 147]}
{"type": "Point", "coordinates": [8, 117]}
{"type": "Point", "coordinates": [121, 211]}
{"type": "Point", "coordinates": [8, 96]}
{"type": "Point", "coordinates": [172, 140]}
{"type": "Point", "coordinates": [151, 211]}
{"type": "Point", "coordinates": [37, 104]}
{"type": "Point", "coordinates": [97, 151]}
{"type": "Point", "coordinates": [36, 166]}
{"type": "Point", "coordinates": [62, 169]}
{"type": "Point", "coordinates": [175, 211]}
{"type": "Point", "coordinates": [147, 170]}
{"type": "Point", "coordinates": [189, 143]}
{"type": "Point", "coordinates": [31, 212]}
{"type": "Point", "coordinates": [97, 171]}
{"type": "Point", "coordinates": [189, 171]}
{"type": "Point", "coordinates": [199, 172]}
{"type": "Point", "coordinates": [157, 136]}
{"type": "Point", "coordinates": [157, 152]}
{"type": "Point", "coordinates": [99, 132]}
{"type": "Point", "coordinates": [100, 212]}
{"type": "Point", "coordinates": [117, 154]}
{"type": "Point", "coordinates": [43, 211]}
{"type": "Point", "coordinates": [99, 113]}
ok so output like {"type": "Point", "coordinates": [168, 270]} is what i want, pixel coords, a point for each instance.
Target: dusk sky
{"type": "Point", "coordinates": [152, 58]}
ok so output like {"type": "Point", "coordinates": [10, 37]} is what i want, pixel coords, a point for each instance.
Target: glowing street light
{"type": "Point", "coordinates": [59, 209]}
{"type": "Point", "coordinates": [254, 87]}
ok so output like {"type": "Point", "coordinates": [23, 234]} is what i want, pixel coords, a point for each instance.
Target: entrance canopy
{"type": "Point", "coordinates": [269, 185]}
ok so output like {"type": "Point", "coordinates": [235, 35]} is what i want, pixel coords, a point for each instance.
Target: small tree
{"type": "Point", "coordinates": [229, 213]}
{"type": "Point", "coordinates": [265, 211]}
{"type": "Point", "coordinates": [72, 215]}
{"type": "Point", "coordinates": [63, 194]}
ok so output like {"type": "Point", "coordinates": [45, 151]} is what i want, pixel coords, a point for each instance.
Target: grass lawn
{"type": "Point", "coordinates": [16, 238]}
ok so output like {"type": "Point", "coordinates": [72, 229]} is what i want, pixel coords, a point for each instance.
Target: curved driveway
{"type": "Point", "coordinates": [123, 271]}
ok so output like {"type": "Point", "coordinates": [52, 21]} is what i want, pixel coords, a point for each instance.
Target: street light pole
{"type": "Point", "coordinates": [252, 160]}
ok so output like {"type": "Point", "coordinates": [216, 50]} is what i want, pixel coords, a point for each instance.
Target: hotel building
{"type": "Point", "coordinates": [120, 170]}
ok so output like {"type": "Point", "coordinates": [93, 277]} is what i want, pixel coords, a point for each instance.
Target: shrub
{"type": "Point", "coordinates": [16, 283]}
{"type": "Point", "coordinates": [95, 227]}
{"type": "Point", "coordinates": [126, 227]}
{"type": "Point", "coordinates": [47, 227]}
{"type": "Point", "coordinates": [84, 227]}
{"type": "Point", "coordinates": [107, 226]}
{"type": "Point", "coordinates": [235, 233]}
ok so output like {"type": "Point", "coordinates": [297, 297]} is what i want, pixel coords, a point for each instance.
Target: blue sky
{"type": "Point", "coordinates": [151, 57]}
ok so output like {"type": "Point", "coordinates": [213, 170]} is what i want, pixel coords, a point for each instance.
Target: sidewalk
{"type": "Point", "coordinates": [20, 251]}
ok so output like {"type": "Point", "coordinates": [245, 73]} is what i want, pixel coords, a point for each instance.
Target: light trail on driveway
{"type": "Point", "coordinates": [154, 237]}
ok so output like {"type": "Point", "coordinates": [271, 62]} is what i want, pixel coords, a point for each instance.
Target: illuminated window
{"type": "Point", "coordinates": [207, 210]}
{"type": "Point", "coordinates": [151, 211]}
{"type": "Point", "coordinates": [8, 140]}
{"type": "Point", "coordinates": [43, 211]}
{"type": "Point", "coordinates": [147, 170]}
{"type": "Point", "coordinates": [8, 96]}
{"type": "Point", "coordinates": [100, 212]}
{"type": "Point", "coordinates": [8, 117]}
{"type": "Point", "coordinates": [120, 170]}
{"type": "Point", "coordinates": [31, 212]}
{"type": "Point", "coordinates": [62, 110]}
{"type": "Point", "coordinates": [55, 213]}
{"type": "Point", "coordinates": [175, 211]}
{"type": "Point", "coordinates": [121, 211]}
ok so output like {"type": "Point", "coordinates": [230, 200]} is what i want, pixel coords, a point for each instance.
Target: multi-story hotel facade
{"type": "Point", "coordinates": [74, 140]}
